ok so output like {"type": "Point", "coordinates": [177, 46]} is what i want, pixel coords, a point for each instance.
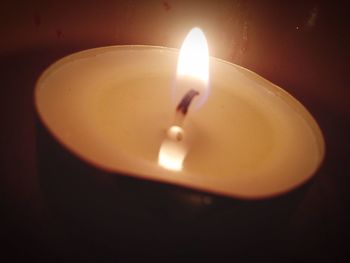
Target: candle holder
{"type": "Point", "coordinates": [118, 215]}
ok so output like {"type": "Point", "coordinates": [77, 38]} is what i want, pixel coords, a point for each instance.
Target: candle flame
{"type": "Point", "coordinates": [194, 56]}
{"type": "Point", "coordinates": [193, 66]}
{"type": "Point", "coordinates": [192, 74]}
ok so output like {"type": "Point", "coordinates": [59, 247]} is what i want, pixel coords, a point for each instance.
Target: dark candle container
{"type": "Point", "coordinates": [109, 215]}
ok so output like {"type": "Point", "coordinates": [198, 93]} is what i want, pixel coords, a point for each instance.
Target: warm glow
{"type": "Point", "coordinates": [172, 154]}
{"type": "Point", "coordinates": [192, 73]}
{"type": "Point", "coordinates": [194, 56]}
{"type": "Point", "coordinates": [193, 68]}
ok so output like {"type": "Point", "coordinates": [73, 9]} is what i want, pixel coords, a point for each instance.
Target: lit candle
{"type": "Point", "coordinates": [115, 106]}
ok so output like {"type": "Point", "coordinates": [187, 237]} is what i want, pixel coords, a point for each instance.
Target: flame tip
{"type": "Point", "coordinates": [194, 55]}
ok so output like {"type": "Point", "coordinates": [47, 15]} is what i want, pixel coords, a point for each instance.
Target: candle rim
{"type": "Point", "coordinates": [145, 176]}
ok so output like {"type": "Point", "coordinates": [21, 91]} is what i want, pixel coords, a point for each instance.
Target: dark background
{"type": "Point", "coordinates": [303, 46]}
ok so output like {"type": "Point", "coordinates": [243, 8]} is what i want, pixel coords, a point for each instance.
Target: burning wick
{"type": "Point", "coordinates": [192, 71]}
{"type": "Point", "coordinates": [176, 132]}
{"type": "Point", "coordinates": [186, 101]}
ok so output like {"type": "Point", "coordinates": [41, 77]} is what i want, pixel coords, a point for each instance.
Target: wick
{"type": "Point", "coordinates": [186, 101]}
{"type": "Point", "coordinates": [176, 132]}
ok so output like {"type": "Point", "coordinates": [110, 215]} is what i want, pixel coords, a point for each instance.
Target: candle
{"type": "Point", "coordinates": [242, 136]}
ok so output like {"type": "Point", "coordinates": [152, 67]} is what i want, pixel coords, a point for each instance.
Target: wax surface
{"type": "Point", "coordinates": [111, 106]}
